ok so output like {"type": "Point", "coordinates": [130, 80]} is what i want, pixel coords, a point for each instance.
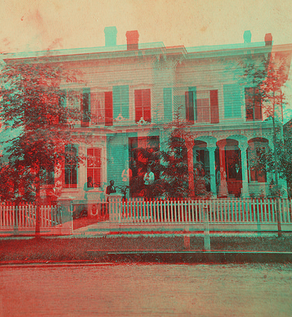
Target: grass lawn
{"type": "Point", "coordinates": [74, 248]}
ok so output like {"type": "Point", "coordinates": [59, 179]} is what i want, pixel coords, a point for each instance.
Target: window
{"type": "Point", "coordinates": [143, 104]}
{"type": "Point", "coordinates": [121, 101]}
{"type": "Point", "coordinates": [253, 104]}
{"type": "Point", "coordinates": [94, 166]}
{"type": "Point", "coordinates": [202, 106]}
{"type": "Point", "coordinates": [97, 105]}
{"type": "Point", "coordinates": [70, 167]}
{"type": "Point", "coordinates": [72, 100]}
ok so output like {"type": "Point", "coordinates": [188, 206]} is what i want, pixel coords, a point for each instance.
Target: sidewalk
{"type": "Point", "coordinates": [169, 248]}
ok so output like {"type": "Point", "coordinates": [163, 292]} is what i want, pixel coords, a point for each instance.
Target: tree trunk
{"type": "Point", "coordinates": [16, 224]}
{"type": "Point", "coordinates": [38, 222]}
{"type": "Point", "coordinates": [276, 169]}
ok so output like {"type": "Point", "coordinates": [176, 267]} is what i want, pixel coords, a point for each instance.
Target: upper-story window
{"type": "Point", "coordinates": [97, 105]}
{"type": "Point", "coordinates": [253, 104]}
{"type": "Point", "coordinates": [232, 101]}
{"type": "Point", "coordinates": [96, 108]}
{"type": "Point", "coordinates": [143, 105]}
{"type": "Point", "coordinates": [202, 106]}
{"type": "Point", "coordinates": [121, 101]}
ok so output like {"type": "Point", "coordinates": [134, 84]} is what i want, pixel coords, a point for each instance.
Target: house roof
{"type": "Point", "coordinates": [148, 49]}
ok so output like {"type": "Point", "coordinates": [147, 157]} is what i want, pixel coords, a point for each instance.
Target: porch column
{"type": "Point", "coordinates": [82, 170]}
{"type": "Point", "coordinates": [211, 150]}
{"type": "Point", "coordinates": [190, 145]}
{"type": "Point", "coordinates": [244, 191]}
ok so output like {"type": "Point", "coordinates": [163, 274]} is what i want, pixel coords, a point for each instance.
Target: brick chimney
{"type": "Point", "coordinates": [268, 39]}
{"type": "Point", "coordinates": [132, 40]}
{"type": "Point", "coordinates": [110, 33]}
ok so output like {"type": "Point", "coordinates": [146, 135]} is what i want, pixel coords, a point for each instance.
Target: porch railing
{"type": "Point", "coordinates": [246, 211]}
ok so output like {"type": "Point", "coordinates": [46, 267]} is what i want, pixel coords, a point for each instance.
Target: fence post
{"type": "Point", "coordinates": [207, 245]}
{"type": "Point", "coordinates": [65, 206]}
{"type": "Point", "coordinates": [15, 222]}
{"type": "Point", "coordinates": [278, 215]}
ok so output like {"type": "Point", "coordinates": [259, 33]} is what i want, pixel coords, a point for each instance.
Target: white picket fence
{"type": "Point", "coordinates": [237, 211]}
{"type": "Point", "coordinates": [24, 216]}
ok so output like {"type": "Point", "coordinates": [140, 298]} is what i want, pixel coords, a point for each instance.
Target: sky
{"type": "Point", "coordinates": [30, 25]}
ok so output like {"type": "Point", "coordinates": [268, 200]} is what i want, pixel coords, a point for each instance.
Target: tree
{"type": "Point", "coordinates": [176, 167]}
{"type": "Point", "coordinates": [173, 182]}
{"type": "Point", "coordinates": [33, 103]}
{"type": "Point", "coordinates": [265, 161]}
{"type": "Point", "coordinates": [268, 77]}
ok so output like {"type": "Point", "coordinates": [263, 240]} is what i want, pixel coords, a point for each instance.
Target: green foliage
{"type": "Point", "coordinates": [33, 103]}
{"type": "Point", "coordinates": [174, 169]}
{"type": "Point", "coordinates": [173, 165]}
{"type": "Point", "coordinates": [269, 74]}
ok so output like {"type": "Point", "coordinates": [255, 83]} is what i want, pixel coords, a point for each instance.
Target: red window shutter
{"type": "Point", "coordinates": [146, 99]}
{"type": "Point", "coordinates": [257, 105]}
{"type": "Point", "coordinates": [214, 106]}
{"type": "Point", "coordinates": [108, 108]}
{"type": "Point", "coordinates": [189, 103]}
{"type": "Point", "coordinates": [138, 105]}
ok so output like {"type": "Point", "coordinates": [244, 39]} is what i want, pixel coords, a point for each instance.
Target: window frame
{"type": "Point", "coordinates": [93, 168]}
{"type": "Point", "coordinates": [143, 106]}
{"type": "Point", "coordinates": [250, 101]}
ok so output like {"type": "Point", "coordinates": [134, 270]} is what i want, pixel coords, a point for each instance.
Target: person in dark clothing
{"type": "Point", "coordinates": [111, 189]}
{"type": "Point", "coordinates": [238, 180]}
{"type": "Point", "coordinates": [134, 181]}
{"type": "Point", "coordinates": [237, 172]}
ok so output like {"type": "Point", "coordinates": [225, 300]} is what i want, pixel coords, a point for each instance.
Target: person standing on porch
{"type": "Point", "coordinates": [148, 181]}
{"type": "Point", "coordinates": [238, 178]}
{"type": "Point", "coordinates": [134, 179]}
{"type": "Point", "coordinates": [223, 190]}
{"type": "Point", "coordinates": [126, 177]}
{"type": "Point", "coordinates": [87, 186]}
{"type": "Point", "coordinates": [110, 188]}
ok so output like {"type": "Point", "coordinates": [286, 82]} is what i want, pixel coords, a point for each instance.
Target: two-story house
{"type": "Point", "coordinates": [130, 94]}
